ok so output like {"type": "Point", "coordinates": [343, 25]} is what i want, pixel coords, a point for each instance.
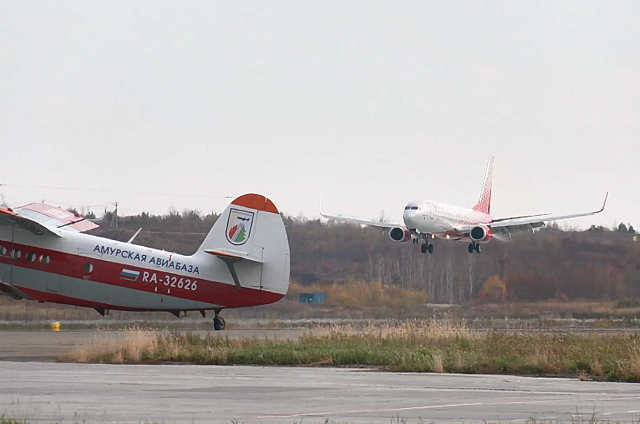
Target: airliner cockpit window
{"type": "Point", "coordinates": [406, 208]}
{"type": "Point", "coordinates": [414, 208]}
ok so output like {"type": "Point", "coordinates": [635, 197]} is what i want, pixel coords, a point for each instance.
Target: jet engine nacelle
{"type": "Point", "coordinates": [480, 233]}
{"type": "Point", "coordinates": [400, 234]}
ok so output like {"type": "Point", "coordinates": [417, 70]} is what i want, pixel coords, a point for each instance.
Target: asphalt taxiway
{"type": "Point", "coordinates": [59, 392]}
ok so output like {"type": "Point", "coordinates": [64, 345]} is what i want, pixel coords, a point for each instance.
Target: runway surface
{"type": "Point", "coordinates": [56, 392]}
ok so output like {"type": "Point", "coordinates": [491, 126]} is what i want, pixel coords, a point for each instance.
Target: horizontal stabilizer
{"type": "Point", "coordinates": [230, 258]}
{"type": "Point", "coordinates": [233, 254]}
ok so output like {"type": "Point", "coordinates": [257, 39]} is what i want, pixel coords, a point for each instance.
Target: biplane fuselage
{"type": "Point", "coordinates": [243, 261]}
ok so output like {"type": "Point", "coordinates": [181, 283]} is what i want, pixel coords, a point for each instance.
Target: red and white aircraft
{"type": "Point", "coordinates": [243, 261]}
{"type": "Point", "coordinates": [428, 220]}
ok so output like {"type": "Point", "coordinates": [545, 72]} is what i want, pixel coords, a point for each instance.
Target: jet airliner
{"type": "Point", "coordinates": [427, 220]}
{"type": "Point", "coordinates": [45, 255]}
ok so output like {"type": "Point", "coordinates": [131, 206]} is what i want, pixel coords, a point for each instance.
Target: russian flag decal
{"type": "Point", "coordinates": [128, 274]}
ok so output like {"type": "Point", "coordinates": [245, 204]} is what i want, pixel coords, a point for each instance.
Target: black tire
{"type": "Point", "coordinates": [470, 248]}
{"type": "Point", "coordinates": [219, 323]}
{"type": "Point", "coordinates": [430, 248]}
{"type": "Point", "coordinates": [478, 248]}
{"type": "Point", "coordinates": [423, 248]}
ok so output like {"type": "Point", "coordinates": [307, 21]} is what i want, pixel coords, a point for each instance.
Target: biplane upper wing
{"type": "Point", "coordinates": [40, 219]}
{"type": "Point", "coordinates": [9, 217]}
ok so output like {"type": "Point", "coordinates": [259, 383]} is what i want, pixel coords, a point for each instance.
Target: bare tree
{"type": "Point", "coordinates": [471, 275]}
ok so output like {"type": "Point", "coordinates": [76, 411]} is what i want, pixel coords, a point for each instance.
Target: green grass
{"type": "Point", "coordinates": [4, 420]}
{"type": "Point", "coordinates": [410, 346]}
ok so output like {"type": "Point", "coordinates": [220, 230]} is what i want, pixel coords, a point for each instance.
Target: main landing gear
{"type": "Point", "coordinates": [426, 246]}
{"type": "Point", "coordinates": [474, 247]}
{"type": "Point", "coordinates": [219, 322]}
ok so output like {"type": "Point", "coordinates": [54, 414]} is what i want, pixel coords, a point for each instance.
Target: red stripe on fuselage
{"type": "Point", "coordinates": [106, 272]}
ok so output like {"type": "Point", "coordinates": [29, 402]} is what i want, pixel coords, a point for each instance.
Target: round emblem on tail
{"type": "Point", "coordinates": [239, 226]}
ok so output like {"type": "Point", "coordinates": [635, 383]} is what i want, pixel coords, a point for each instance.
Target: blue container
{"type": "Point", "coordinates": [314, 298]}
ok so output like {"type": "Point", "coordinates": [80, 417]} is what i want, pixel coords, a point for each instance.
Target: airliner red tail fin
{"type": "Point", "coordinates": [484, 204]}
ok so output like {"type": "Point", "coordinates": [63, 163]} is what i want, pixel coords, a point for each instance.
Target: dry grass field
{"type": "Point", "coordinates": [351, 300]}
{"type": "Point", "coordinates": [410, 346]}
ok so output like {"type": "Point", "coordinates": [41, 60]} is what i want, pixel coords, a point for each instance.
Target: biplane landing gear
{"type": "Point", "coordinates": [219, 322]}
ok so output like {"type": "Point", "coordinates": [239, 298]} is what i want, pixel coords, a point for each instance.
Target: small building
{"type": "Point", "coordinates": [314, 298]}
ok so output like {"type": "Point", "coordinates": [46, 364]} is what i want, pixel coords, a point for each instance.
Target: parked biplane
{"type": "Point", "coordinates": [46, 255]}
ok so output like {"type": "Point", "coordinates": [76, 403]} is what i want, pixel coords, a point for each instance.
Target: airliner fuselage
{"type": "Point", "coordinates": [429, 217]}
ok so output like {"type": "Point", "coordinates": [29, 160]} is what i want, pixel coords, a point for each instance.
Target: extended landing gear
{"type": "Point", "coordinates": [424, 248]}
{"type": "Point", "coordinates": [219, 322]}
{"type": "Point", "coordinates": [474, 247]}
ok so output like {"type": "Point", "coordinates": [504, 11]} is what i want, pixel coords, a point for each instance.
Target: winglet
{"type": "Point", "coordinates": [604, 203]}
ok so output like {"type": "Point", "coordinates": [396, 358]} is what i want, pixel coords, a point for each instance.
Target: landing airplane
{"type": "Point", "coordinates": [243, 261]}
{"type": "Point", "coordinates": [428, 220]}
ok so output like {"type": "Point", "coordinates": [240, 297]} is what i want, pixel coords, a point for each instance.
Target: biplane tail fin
{"type": "Point", "coordinates": [250, 238]}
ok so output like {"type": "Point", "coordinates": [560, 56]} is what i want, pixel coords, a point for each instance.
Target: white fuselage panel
{"type": "Point", "coordinates": [427, 217]}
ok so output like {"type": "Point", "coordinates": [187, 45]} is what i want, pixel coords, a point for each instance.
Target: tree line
{"type": "Point", "coordinates": [598, 263]}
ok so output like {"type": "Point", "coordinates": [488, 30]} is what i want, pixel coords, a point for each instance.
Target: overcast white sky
{"type": "Point", "coordinates": [369, 104]}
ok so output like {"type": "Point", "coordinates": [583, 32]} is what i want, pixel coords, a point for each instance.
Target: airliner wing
{"type": "Point", "coordinates": [360, 221]}
{"type": "Point", "coordinates": [513, 218]}
{"type": "Point", "coordinates": [537, 221]}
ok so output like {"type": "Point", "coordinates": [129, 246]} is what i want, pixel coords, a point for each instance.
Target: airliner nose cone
{"type": "Point", "coordinates": [407, 216]}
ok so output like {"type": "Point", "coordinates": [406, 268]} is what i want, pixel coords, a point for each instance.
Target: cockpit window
{"type": "Point", "coordinates": [414, 208]}
{"type": "Point", "coordinates": [406, 208]}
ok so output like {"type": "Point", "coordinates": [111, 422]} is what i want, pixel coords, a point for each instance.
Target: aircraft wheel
{"type": "Point", "coordinates": [423, 248]}
{"type": "Point", "coordinates": [219, 323]}
{"type": "Point", "coordinates": [471, 248]}
{"type": "Point", "coordinates": [478, 248]}
{"type": "Point", "coordinates": [430, 248]}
